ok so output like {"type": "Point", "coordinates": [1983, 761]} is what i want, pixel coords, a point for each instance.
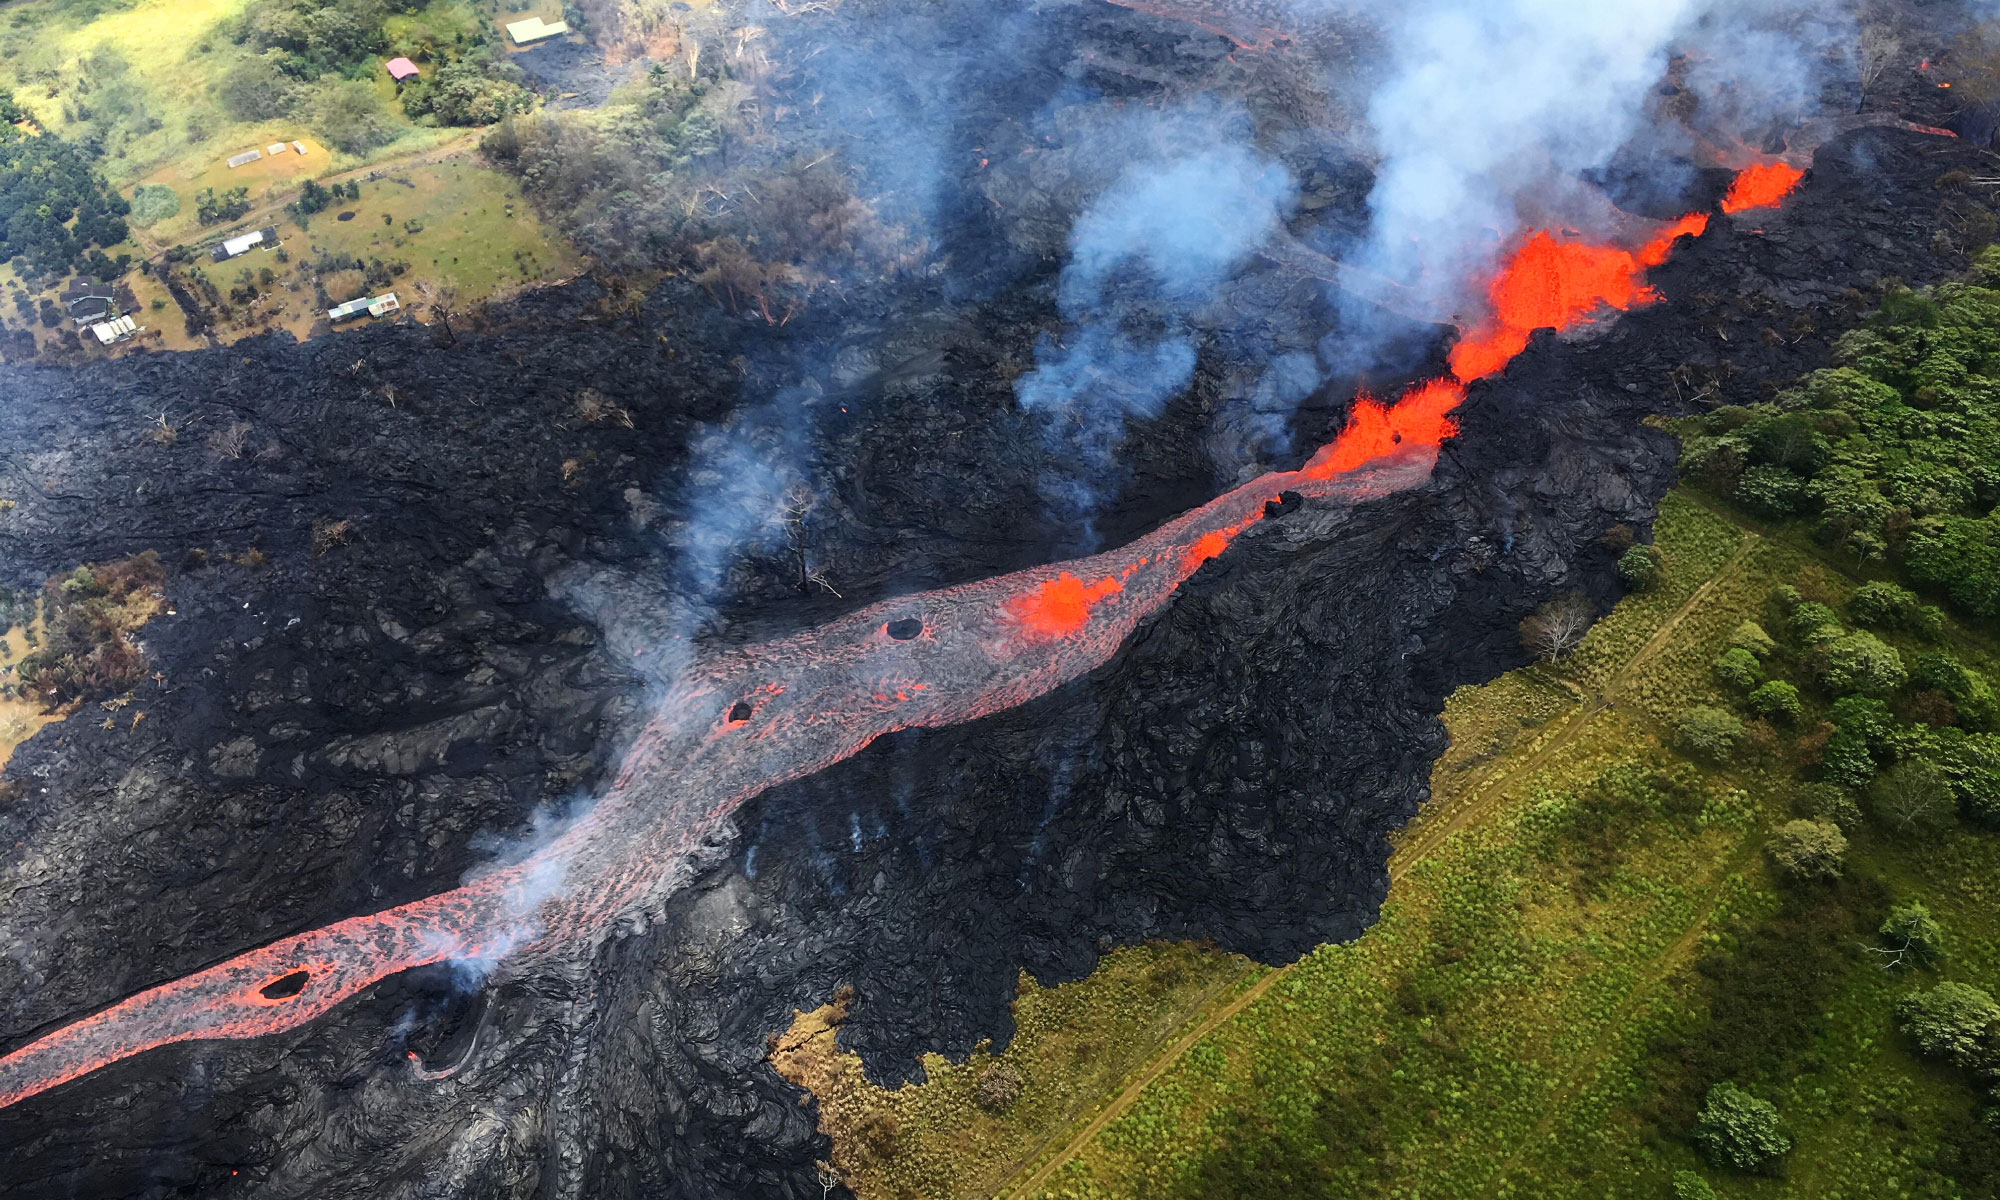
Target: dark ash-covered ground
{"type": "Point", "coordinates": [334, 730]}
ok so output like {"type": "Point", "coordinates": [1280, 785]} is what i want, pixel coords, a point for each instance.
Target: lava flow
{"type": "Point", "coordinates": [1552, 284]}
{"type": "Point", "coordinates": [744, 719]}
{"type": "Point", "coordinates": [1763, 186]}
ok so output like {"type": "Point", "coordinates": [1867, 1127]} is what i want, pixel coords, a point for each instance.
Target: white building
{"type": "Point", "coordinates": [374, 306]}
{"type": "Point", "coordinates": [534, 29]}
{"type": "Point", "coordinates": [115, 330]}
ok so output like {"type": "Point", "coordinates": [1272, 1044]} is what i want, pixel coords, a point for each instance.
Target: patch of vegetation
{"type": "Point", "coordinates": [153, 203]}
{"type": "Point", "coordinates": [88, 652]}
{"type": "Point", "coordinates": [1891, 457]}
{"type": "Point", "coordinates": [54, 206]}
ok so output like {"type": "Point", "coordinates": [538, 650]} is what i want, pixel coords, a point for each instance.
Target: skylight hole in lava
{"type": "Point", "coordinates": [739, 712]}
{"type": "Point", "coordinates": [905, 629]}
{"type": "Point", "coordinates": [284, 987]}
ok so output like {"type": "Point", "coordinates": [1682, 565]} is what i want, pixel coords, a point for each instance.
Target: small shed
{"type": "Point", "coordinates": [374, 306]}
{"type": "Point", "coordinates": [115, 330]}
{"type": "Point", "coordinates": [226, 250]}
{"type": "Point", "coordinates": [534, 29]}
{"type": "Point", "coordinates": [402, 70]}
{"type": "Point", "coordinates": [277, 148]}
{"type": "Point", "coordinates": [244, 159]}
{"type": "Point", "coordinates": [298, 147]}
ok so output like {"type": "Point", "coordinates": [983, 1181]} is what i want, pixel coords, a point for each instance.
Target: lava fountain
{"type": "Point", "coordinates": [744, 719]}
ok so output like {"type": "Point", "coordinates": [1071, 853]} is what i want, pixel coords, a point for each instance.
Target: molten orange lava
{"type": "Point", "coordinates": [1548, 284]}
{"type": "Point", "coordinates": [1656, 251]}
{"type": "Point", "coordinates": [1421, 417]}
{"type": "Point", "coordinates": [1060, 606]}
{"type": "Point", "coordinates": [1762, 186]}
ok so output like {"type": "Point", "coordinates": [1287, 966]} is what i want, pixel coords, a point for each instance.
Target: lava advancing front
{"type": "Point", "coordinates": [744, 719]}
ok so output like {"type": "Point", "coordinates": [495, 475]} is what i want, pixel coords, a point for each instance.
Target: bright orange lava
{"type": "Point", "coordinates": [1762, 186]}
{"type": "Point", "coordinates": [1060, 606]}
{"type": "Point", "coordinates": [1548, 284]}
{"type": "Point", "coordinates": [1421, 417]}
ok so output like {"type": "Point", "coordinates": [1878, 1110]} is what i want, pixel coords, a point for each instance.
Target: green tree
{"type": "Point", "coordinates": [1860, 663]}
{"type": "Point", "coordinates": [1911, 937]}
{"type": "Point", "coordinates": [1708, 733]}
{"type": "Point", "coordinates": [1639, 567]}
{"type": "Point", "coordinates": [1773, 491]}
{"type": "Point", "coordinates": [1739, 669]}
{"type": "Point", "coordinates": [1739, 1131]}
{"type": "Point", "coordinates": [1775, 699]}
{"type": "Point", "coordinates": [1811, 622]}
{"type": "Point", "coordinates": [1972, 698]}
{"type": "Point", "coordinates": [1828, 802]}
{"type": "Point", "coordinates": [1883, 606]}
{"type": "Point", "coordinates": [1952, 1021]}
{"type": "Point", "coordinates": [349, 118]}
{"type": "Point", "coordinates": [1809, 850]}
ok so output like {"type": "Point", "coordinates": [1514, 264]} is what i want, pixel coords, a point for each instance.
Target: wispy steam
{"type": "Point", "coordinates": [1193, 201]}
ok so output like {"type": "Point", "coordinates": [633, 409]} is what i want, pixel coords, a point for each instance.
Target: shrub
{"type": "Point", "coordinates": [1639, 567]}
{"type": "Point", "coordinates": [1809, 850]}
{"type": "Point", "coordinates": [1952, 1021]}
{"type": "Point", "coordinates": [1737, 1130]}
{"type": "Point", "coordinates": [1913, 938]}
{"type": "Point", "coordinates": [1775, 699]}
{"type": "Point", "coordinates": [1708, 733]}
{"type": "Point", "coordinates": [153, 203]}
{"type": "Point", "coordinates": [1751, 636]}
{"type": "Point", "coordinates": [1860, 663]}
{"type": "Point", "coordinates": [1739, 669]}
{"type": "Point", "coordinates": [1690, 1186]}
{"type": "Point", "coordinates": [1811, 622]}
{"type": "Point", "coordinates": [1883, 606]}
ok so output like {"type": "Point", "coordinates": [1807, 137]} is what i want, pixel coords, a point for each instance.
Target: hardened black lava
{"type": "Point", "coordinates": [331, 731]}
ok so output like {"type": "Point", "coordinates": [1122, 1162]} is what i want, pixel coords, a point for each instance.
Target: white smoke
{"type": "Point", "coordinates": [1497, 109]}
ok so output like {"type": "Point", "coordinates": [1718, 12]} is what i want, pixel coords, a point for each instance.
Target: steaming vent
{"type": "Point", "coordinates": [905, 629]}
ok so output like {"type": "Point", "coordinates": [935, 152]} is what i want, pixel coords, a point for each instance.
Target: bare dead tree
{"type": "Point", "coordinates": [796, 504]}
{"type": "Point", "coordinates": [442, 301]}
{"type": "Point", "coordinates": [829, 1178]}
{"type": "Point", "coordinates": [229, 441]}
{"type": "Point", "coordinates": [1877, 50]}
{"type": "Point", "coordinates": [1556, 628]}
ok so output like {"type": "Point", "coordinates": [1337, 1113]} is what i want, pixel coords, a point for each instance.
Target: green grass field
{"type": "Point", "coordinates": [1561, 962]}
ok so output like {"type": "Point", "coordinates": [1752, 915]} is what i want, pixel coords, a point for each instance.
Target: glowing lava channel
{"type": "Point", "coordinates": [746, 719]}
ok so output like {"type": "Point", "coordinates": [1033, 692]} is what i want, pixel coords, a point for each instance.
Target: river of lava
{"type": "Point", "coordinates": [743, 719]}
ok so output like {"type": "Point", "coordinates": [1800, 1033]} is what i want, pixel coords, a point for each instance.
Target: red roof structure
{"type": "Point", "coordinates": [401, 69]}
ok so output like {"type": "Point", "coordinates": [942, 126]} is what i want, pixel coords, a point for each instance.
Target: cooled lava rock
{"type": "Point", "coordinates": [351, 716]}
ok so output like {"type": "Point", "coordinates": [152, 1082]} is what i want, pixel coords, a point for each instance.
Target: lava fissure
{"type": "Point", "coordinates": [742, 720]}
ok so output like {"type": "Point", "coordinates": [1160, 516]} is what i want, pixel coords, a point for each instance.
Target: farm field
{"type": "Point", "coordinates": [1584, 932]}
{"type": "Point", "coordinates": [142, 78]}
